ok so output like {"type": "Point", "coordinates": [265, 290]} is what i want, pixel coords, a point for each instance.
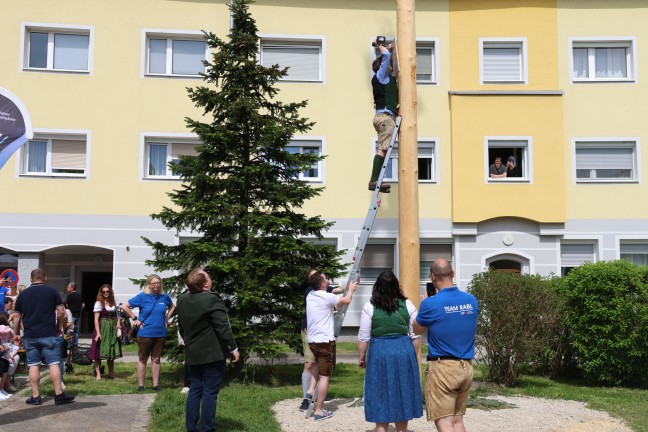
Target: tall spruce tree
{"type": "Point", "coordinates": [243, 196]}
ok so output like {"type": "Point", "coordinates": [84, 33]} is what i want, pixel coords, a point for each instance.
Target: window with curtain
{"type": "Point", "coordinates": [58, 50]}
{"type": "Point", "coordinates": [574, 254]}
{"type": "Point", "coordinates": [302, 58]}
{"type": "Point", "coordinates": [175, 55]}
{"type": "Point", "coordinates": [426, 163]}
{"type": "Point", "coordinates": [425, 63]}
{"type": "Point", "coordinates": [635, 252]}
{"type": "Point", "coordinates": [602, 61]}
{"type": "Point", "coordinates": [163, 155]}
{"type": "Point", "coordinates": [53, 156]}
{"type": "Point", "coordinates": [308, 147]}
{"type": "Point", "coordinates": [503, 61]}
{"type": "Point", "coordinates": [606, 161]}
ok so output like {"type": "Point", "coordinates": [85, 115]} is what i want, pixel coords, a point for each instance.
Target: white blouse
{"type": "Point", "coordinates": [97, 307]}
{"type": "Point", "coordinates": [364, 335]}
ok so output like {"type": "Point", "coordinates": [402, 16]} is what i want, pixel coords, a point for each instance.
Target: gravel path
{"type": "Point", "coordinates": [529, 415]}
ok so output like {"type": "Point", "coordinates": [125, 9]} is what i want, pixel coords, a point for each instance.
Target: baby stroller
{"type": "Point", "coordinates": [68, 345]}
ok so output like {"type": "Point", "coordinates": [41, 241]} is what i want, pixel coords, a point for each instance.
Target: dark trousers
{"type": "Point", "coordinates": [206, 380]}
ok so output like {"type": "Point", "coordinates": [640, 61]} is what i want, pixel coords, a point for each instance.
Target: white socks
{"type": "Point", "coordinates": [306, 379]}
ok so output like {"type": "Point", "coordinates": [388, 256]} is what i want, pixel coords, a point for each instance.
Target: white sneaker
{"type": "Point", "coordinates": [184, 390]}
{"type": "Point", "coordinates": [4, 395]}
{"type": "Point", "coordinates": [62, 385]}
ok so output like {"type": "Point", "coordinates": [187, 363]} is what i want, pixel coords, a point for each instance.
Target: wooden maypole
{"type": "Point", "coordinates": [408, 213]}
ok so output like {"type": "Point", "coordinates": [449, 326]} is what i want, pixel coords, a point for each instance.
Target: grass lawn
{"type": "Point", "coordinates": [246, 404]}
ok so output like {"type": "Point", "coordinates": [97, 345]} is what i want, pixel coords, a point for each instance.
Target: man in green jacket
{"type": "Point", "coordinates": [209, 341]}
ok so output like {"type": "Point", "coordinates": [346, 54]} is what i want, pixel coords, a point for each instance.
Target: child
{"type": "Point", "coordinates": [7, 352]}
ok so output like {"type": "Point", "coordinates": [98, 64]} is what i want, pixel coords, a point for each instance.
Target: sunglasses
{"type": "Point", "coordinates": [105, 292]}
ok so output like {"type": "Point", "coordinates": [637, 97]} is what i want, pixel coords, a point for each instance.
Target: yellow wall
{"type": "Point", "coordinates": [116, 104]}
{"type": "Point", "coordinates": [475, 117]}
{"type": "Point", "coordinates": [604, 109]}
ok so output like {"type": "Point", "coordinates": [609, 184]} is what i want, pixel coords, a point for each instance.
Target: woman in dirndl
{"type": "Point", "coordinates": [387, 347]}
{"type": "Point", "coordinates": [105, 343]}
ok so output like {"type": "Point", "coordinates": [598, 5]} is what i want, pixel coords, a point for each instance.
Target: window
{"type": "Point", "coordinates": [635, 252]}
{"type": "Point", "coordinates": [61, 48]}
{"type": "Point", "coordinates": [574, 254]}
{"type": "Point", "coordinates": [62, 155]}
{"type": "Point", "coordinates": [426, 62]}
{"type": "Point", "coordinates": [606, 161]}
{"type": "Point", "coordinates": [517, 150]}
{"type": "Point", "coordinates": [376, 259]}
{"type": "Point", "coordinates": [174, 54]}
{"type": "Point", "coordinates": [161, 154]}
{"type": "Point", "coordinates": [428, 253]}
{"type": "Point", "coordinates": [427, 162]}
{"type": "Point", "coordinates": [314, 173]}
{"type": "Point", "coordinates": [603, 60]}
{"type": "Point", "coordinates": [303, 56]}
{"type": "Point", "coordinates": [503, 61]}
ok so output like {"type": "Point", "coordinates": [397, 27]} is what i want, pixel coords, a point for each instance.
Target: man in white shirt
{"type": "Point", "coordinates": [320, 307]}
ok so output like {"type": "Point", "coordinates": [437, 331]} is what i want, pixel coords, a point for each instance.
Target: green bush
{"type": "Point", "coordinates": [519, 324]}
{"type": "Point", "coordinates": [607, 317]}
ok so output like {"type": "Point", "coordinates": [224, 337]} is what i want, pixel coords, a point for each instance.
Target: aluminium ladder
{"type": "Point", "coordinates": [362, 242]}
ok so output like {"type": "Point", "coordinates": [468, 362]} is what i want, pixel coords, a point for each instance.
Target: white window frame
{"type": "Point", "coordinates": [527, 159]}
{"type": "Point", "coordinates": [313, 141]}
{"type": "Point", "coordinates": [430, 43]}
{"type": "Point", "coordinates": [423, 143]}
{"type": "Point", "coordinates": [519, 43]}
{"type": "Point", "coordinates": [595, 243]}
{"type": "Point", "coordinates": [306, 41]}
{"type": "Point", "coordinates": [608, 142]}
{"type": "Point", "coordinates": [48, 135]}
{"type": "Point", "coordinates": [639, 243]}
{"type": "Point", "coordinates": [147, 138]}
{"type": "Point", "coordinates": [591, 42]}
{"type": "Point", "coordinates": [51, 28]}
{"type": "Point", "coordinates": [170, 36]}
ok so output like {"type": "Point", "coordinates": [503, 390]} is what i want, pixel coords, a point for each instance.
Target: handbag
{"type": "Point", "coordinates": [135, 330]}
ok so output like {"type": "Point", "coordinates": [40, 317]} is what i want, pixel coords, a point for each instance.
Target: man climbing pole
{"type": "Point", "coordinates": [385, 93]}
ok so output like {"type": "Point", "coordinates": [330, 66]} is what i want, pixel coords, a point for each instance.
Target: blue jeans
{"type": "Point", "coordinates": [48, 348]}
{"type": "Point", "coordinates": [75, 321]}
{"type": "Point", "coordinates": [206, 380]}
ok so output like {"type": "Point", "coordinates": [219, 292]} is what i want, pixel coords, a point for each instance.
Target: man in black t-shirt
{"type": "Point", "coordinates": [74, 302]}
{"type": "Point", "coordinates": [41, 312]}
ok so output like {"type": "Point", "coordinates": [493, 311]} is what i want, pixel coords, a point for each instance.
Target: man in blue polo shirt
{"type": "Point", "coordinates": [451, 320]}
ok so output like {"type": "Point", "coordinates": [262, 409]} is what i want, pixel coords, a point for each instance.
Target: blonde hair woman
{"type": "Point", "coordinates": [155, 309]}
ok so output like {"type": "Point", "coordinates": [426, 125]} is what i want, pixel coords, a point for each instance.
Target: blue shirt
{"type": "Point", "coordinates": [152, 312]}
{"type": "Point", "coordinates": [451, 318]}
{"type": "Point", "coordinates": [383, 76]}
{"type": "Point", "coordinates": [3, 293]}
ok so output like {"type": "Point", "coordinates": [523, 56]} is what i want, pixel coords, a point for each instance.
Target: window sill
{"type": "Point", "coordinates": [59, 71]}
{"type": "Point", "coordinates": [604, 81]}
{"type": "Point", "coordinates": [49, 176]}
{"type": "Point", "coordinates": [609, 181]}
{"type": "Point", "coordinates": [509, 180]}
{"type": "Point", "coordinates": [149, 75]}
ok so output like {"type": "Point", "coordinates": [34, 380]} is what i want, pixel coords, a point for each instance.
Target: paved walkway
{"type": "Point", "coordinates": [102, 413]}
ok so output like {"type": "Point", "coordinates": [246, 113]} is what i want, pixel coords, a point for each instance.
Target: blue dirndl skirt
{"type": "Point", "coordinates": [392, 386]}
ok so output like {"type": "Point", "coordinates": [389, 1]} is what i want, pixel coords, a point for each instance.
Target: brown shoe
{"type": "Point", "coordinates": [384, 187]}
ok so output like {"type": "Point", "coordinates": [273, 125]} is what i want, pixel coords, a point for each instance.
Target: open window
{"type": "Point", "coordinates": [508, 159]}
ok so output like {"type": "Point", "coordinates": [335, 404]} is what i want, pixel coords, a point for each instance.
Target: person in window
{"type": "Point", "coordinates": [385, 93]}
{"type": "Point", "coordinates": [497, 170]}
{"type": "Point", "coordinates": [512, 169]}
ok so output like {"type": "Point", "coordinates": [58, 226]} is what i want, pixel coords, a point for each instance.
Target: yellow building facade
{"type": "Point", "coordinates": [553, 84]}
